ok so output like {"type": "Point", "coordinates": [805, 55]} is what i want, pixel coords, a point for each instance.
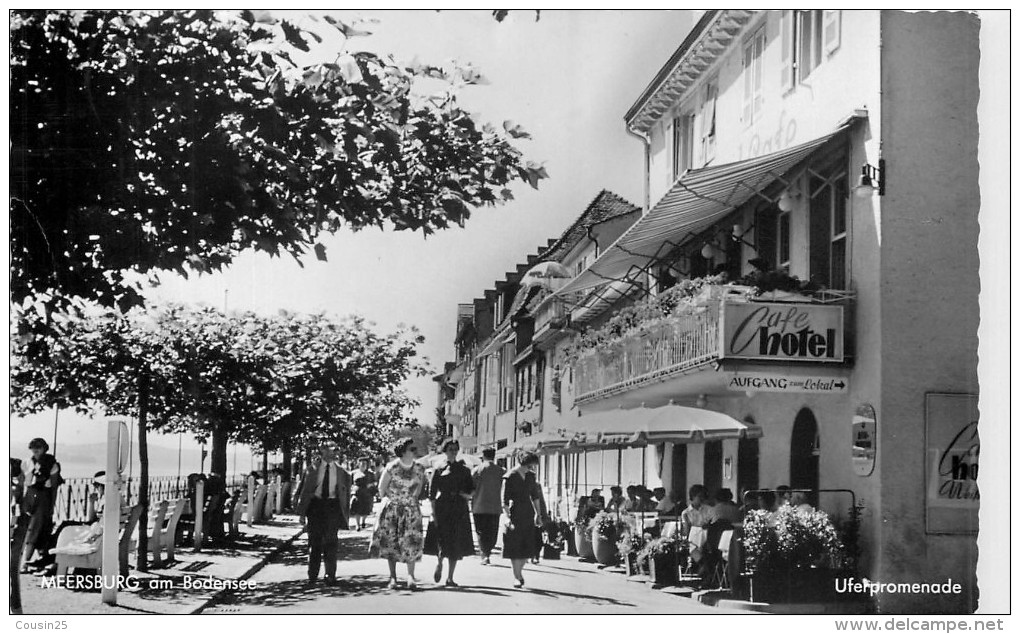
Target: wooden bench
{"type": "Point", "coordinates": [164, 529]}
{"type": "Point", "coordinates": [72, 551]}
{"type": "Point", "coordinates": [256, 514]}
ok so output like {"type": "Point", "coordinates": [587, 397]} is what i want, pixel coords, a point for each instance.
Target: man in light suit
{"type": "Point", "coordinates": [486, 503]}
{"type": "Point", "coordinates": [324, 500]}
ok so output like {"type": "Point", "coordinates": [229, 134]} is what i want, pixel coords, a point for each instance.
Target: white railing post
{"type": "Point", "coordinates": [111, 518]}
{"type": "Point", "coordinates": [251, 500]}
{"type": "Point", "coordinates": [279, 495]}
{"type": "Point", "coordinates": [199, 513]}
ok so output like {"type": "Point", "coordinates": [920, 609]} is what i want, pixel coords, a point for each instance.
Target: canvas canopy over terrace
{"type": "Point", "coordinates": [642, 426]}
{"type": "Point", "coordinates": [697, 200]}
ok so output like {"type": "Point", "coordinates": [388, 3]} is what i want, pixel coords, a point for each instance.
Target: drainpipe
{"type": "Point", "coordinates": [648, 165]}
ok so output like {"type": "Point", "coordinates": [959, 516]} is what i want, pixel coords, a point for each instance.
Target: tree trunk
{"type": "Point", "coordinates": [265, 467]}
{"type": "Point", "coordinates": [288, 461]}
{"type": "Point", "coordinates": [143, 478]}
{"type": "Point", "coordinates": [218, 457]}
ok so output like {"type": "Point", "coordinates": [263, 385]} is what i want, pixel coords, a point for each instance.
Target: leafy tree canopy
{"type": "Point", "coordinates": [253, 379]}
{"type": "Point", "coordinates": [172, 140]}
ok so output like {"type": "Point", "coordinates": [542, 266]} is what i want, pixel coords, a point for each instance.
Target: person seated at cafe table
{"type": "Point", "coordinates": [667, 506]}
{"type": "Point", "coordinates": [596, 501]}
{"type": "Point", "coordinates": [799, 501]}
{"type": "Point", "coordinates": [783, 494]}
{"type": "Point", "coordinates": [696, 513]}
{"type": "Point", "coordinates": [725, 510]}
{"type": "Point", "coordinates": [616, 499]}
{"type": "Point", "coordinates": [767, 503]}
{"type": "Point", "coordinates": [633, 502]}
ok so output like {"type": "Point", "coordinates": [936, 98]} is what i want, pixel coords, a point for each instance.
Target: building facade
{"type": "Point", "coordinates": [810, 225]}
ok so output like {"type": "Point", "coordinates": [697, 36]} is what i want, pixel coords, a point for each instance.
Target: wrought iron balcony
{"type": "Point", "coordinates": [728, 324]}
{"type": "Point", "coordinates": [671, 345]}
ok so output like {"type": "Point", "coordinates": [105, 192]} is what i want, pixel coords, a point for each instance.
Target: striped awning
{"type": "Point", "coordinates": [498, 341]}
{"type": "Point", "coordinates": [697, 200]}
{"type": "Point", "coordinates": [543, 442]}
{"type": "Point", "coordinates": [643, 426]}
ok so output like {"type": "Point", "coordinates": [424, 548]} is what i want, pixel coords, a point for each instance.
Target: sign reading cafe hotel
{"type": "Point", "coordinates": [783, 332]}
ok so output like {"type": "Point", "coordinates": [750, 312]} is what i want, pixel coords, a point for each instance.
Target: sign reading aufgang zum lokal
{"type": "Point", "coordinates": [783, 332]}
{"type": "Point", "coordinates": [765, 382]}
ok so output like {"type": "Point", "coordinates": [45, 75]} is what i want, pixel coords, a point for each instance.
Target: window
{"type": "Point", "coordinates": [783, 242]}
{"type": "Point", "coordinates": [581, 265]}
{"type": "Point", "coordinates": [765, 225]}
{"type": "Point", "coordinates": [683, 144]}
{"type": "Point", "coordinates": [806, 35]}
{"type": "Point", "coordinates": [809, 41]}
{"type": "Point", "coordinates": [828, 237]}
{"type": "Point", "coordinates": [497, 311]}
{"type": "Point", "coordinates": [753, 50]}
{"type": "Point", "coordinates": [708, 121]}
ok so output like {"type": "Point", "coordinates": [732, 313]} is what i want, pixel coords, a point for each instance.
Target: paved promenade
{"type": "Point", "coordinates": [564, 586]}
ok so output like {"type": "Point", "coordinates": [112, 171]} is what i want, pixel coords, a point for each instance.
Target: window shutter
{"type": "Point", "coordinates": [748, 80]}
{"type": "Point", "coordinates": [830, 30]}
{"type": "Point", "coordinates": [708, 122]}
{"type": "Point", "coordinates": [786, 35]}
{"type": "Point", "coordinates": [670, 138]}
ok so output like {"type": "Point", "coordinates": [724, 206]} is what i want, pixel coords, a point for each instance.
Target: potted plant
{"type": "Point", "coordinates": [629, 544]}
{"type": "Point", "coordinates": [606, 527]}
{"type": "Point", "coordinates": [663, 557]}
{"type": "Point", "coordinates": [583, 539]}
{"type": "Point", "coordinates": [792, 555]}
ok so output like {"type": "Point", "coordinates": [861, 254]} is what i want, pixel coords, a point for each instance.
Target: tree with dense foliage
{"type": "Point", "coordinates": [173, 140]}
{"type": "Point", "coordinates": [265, 381]}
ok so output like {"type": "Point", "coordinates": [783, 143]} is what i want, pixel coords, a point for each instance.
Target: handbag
{"type": "Point", "coordinates": [431, 540]}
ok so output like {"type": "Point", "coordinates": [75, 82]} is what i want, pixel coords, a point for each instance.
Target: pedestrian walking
{"type": "Point", "coordinates": [363, 498]}
{"type": "Point", "coordinates": [524, 515]}
{"type": "Point", "coordinates": [450, 492]}
{"type": "Point", "coordinates": [324, 501]}
{"type": "Point", "coordinates": [398, 531]}
{"type": "Point", "coordinates": [485, 502]}
{"type": "Point", "coordinates": [42, 482]}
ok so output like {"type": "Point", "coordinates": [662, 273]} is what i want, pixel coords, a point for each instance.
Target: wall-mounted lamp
{"type": "Point", "coordinates": [738, 235]}
{"type": "Point", "coordinates": [786, 200]}
{"type": "Point", "coordinates": [708, 251]}
{"type": "Point", "coordinates": [871, 179]}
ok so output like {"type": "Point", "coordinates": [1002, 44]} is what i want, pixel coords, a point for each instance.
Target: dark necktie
{"type": "Point", "coordinates": [325, 484]}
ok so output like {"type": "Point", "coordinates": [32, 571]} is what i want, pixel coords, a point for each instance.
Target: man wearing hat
{"type": "Point", "coordinates": [324, 500]}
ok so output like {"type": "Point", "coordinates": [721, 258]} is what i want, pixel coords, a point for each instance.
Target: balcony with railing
{"type": "Point", "coordinates": [673, 345]}
{"type": "Point", "coordinates": [728, 325]}
{"type": "Point", "coordinates": [550, 320]}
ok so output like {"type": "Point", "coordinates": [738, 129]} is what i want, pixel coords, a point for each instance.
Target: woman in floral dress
{"type": "Point", "coordinates": [398, 534]}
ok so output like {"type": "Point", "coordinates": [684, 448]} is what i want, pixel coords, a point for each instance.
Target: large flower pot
{"type": "Point", "coordinates": [584, 547]}
{"type": "Point", "coordinates": [548, 552]}
{"type": "Point", "coordinates": [664, 570]}
{"type": "Point", "coordinates": [605, 549]}
{"type": "Point", "coordinates": [633, 566]}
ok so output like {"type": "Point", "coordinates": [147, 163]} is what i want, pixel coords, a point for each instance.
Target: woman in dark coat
{"type": "Point", "coordinates": [521, 507]}
{"type": "Point", "coordinates": [450, 493]}
{"type": "Point", "coordinates": [40, 495]}
{"type": "Point", "coordinates": [363, 497]}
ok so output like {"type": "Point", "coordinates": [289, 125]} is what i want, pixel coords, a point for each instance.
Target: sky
{"type": "Point", "coordinates": [567, 78]}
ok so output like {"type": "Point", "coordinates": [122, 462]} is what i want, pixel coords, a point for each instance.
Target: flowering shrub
{"type": "Point", "coordinates": [789, 539]}
{"type": "Point", "coordinates": [641, 316]}
{"type": "Point", "coordinates": [630, 542]}
{"type": "Point", "coordinates": [661, 546]}
{"type": "Point", "coordinates": [608, 525]}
